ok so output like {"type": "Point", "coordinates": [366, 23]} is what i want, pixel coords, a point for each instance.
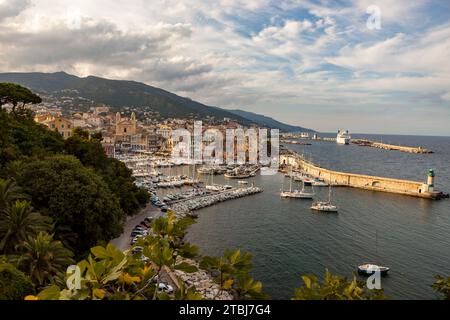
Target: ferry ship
{"type": "Point", "coordinates": [343, 137]}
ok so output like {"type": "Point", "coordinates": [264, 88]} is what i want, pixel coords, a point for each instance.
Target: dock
{"type": "Point", "coordinates": [418, 189]}
{"type": "Point", "coordinates": [386, 146]}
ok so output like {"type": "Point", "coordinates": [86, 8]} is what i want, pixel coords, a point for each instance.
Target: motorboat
{"type": "Point", "coordinates": [369, 268]}
{"type": "Point", "coordinates": [319, 183]}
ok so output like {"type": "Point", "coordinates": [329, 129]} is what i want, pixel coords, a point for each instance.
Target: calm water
{"type": "Point", "coordinates": [287, 239]}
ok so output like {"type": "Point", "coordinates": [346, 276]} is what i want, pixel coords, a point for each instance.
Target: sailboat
{"type": "Point", "coordinates": [296, 194]}
{"type": "Point", "coordinates": [325, 206]}
{"type": "Point", "coordinates": [368, 269]}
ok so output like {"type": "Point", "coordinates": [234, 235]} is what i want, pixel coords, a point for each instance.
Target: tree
{"type": "Point", "coordinates": [118, 177]}
{"type": "Point", "coordinates": [442, 285]}
{"type": "Point", "coordinates": [17, 223]}
{"type": "Point", "coordinates": [14, 284]}
{"type": "Point", "coordinates": [43, 259]}
{"type": "Point", "coordinates": [11, 93]}
{"type": "Point", "coordinates": [335, 287]}
{"type": "Point", "coordinates": [85, 211]}
{"type": "Point", "coordinates": [110, 274]}
{"type": "Point", "coordinates": [232, 274]}
{"type": "Point", "coordinates": [9, 192]}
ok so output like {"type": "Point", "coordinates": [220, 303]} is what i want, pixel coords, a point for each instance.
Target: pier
{"type": "Point", "coordinates": [405, 187]}
{"type": "Point", "coordinates": [385, 146]}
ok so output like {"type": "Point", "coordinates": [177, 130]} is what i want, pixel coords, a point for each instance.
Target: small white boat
{"type": "Point", "coordinates": [296, 194]}
{"type": "Point", "coordinates": [369, 269]}
{"type": "Point", "coordinates": [325, 206]}
{"type": "Point", "coordinates": [319, 183]}
{"type": "Point", "coordinates": [242, 182]}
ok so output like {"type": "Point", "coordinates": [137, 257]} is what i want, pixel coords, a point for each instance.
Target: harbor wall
{"type": "Point", "coordinates": [385, 146]}
{"type": "Point", "coordinates": [405, 187]}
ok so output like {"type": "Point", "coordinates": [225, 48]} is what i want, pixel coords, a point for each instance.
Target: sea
{"type": "Point", "coordinates": [410, 235]}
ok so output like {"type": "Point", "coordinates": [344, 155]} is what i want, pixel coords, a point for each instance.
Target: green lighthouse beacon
{"type": "Point", "coordinates": [430, 181]}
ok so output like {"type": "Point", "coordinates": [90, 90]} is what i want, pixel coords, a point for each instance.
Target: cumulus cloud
{"type": "Point", "coordinates": [12, 8]}
{"type": "Point", "coordinates": [286, 57]}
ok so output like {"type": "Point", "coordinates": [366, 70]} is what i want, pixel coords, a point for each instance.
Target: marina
{"type": "Point", "coordinates": [286, 238]}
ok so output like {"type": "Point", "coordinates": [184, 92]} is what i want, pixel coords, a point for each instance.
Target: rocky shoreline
{"type": "Point", "coordinates": [201, 279]}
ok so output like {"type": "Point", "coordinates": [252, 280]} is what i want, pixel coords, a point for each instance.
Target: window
{"type": "Point", "coordinates": [62, 126]}
{"type": "Point", "coordinates": [125, 130]}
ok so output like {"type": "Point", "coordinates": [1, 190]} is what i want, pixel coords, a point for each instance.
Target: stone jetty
{"type": "Point", "coordinates": [185, 208]}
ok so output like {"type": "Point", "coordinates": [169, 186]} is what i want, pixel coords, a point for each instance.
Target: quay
{"type": "Point", "coordinates": [385, 146]}
{"type": "Point", "coordinates": [405, 187]}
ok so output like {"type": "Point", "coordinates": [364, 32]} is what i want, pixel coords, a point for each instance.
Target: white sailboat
{"type": "Point", "coordinates": [296, 194]}
{"type": "Point", "coordinates": [325, 206]}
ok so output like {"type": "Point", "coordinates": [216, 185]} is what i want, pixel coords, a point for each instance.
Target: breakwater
{"type": "Point", "coordinates": [184, 208]}
{"type": "Point", "coordinates": [386, 146]}
{"type": "Point", "coordinates": [366, 182]}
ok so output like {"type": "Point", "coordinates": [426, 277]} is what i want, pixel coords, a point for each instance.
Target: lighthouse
{"type": "Point", "coordinates": [430, 181]}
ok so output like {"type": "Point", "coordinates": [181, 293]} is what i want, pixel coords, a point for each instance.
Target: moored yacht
{"type": "Point", "coordinates": [296, 194]}
{"type": "Point", "coordinates": [325, 206]}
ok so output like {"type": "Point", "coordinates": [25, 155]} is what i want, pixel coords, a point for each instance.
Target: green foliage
{"type": "Point", "coordinates": [14, 284]}
{"type": "Point", "coordinates": [17, 222]}
{"type": "Point", "coordinates": [442, 285]}
{"type": "Point", "coordinates": [109, 274]}
{"type": "Point", "coordinates": [21, 137]}
{"type": "Point", "coordinates": [116, 175]}
{"type": "Point", "coordinates": [335, 287]}
{"type": "Point", "coordinates": [83, 208]}
{"type": "Point", "coordinates": [14, 94]}
{"type": "Point", "coordinates": [233, 274]}
{"type": "Point", "coordinates": [9, 192]}
{"type": "Point", "coordinates": [42, 258]}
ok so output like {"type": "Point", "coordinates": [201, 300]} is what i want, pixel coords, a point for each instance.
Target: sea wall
{"type": "Point", "coordinates": [405, 187]}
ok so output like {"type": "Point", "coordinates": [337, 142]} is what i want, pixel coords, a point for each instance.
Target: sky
{"type": "Point", "coordinates": [374, 66]}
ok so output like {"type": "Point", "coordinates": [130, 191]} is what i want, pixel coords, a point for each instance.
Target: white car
{"type": "Point", "coordinates": [163, 287]}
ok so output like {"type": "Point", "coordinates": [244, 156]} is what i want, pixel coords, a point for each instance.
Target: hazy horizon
{"type": "Point", "coordinates": [313, 63]}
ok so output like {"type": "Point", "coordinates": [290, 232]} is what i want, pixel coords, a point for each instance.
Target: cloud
{"type": "Point", "coordinates": [287, 58]}
{"type": "Point", "coordinates": [12, 8]}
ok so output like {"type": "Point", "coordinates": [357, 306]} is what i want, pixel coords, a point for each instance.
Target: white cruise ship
{"type": "Point", "coordinates": [343, 137]}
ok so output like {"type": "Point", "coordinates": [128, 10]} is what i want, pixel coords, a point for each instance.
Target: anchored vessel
{"type": "Point", "coordinates": [369, 269]}
{"type": "Point", "coordinates": [325, 206]}
{"type": "Point", "coordinates": [343, 137]}
{"type": "Point", "coordinates": [296, 194]}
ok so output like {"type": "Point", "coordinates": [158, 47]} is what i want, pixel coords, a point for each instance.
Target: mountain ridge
{"type": "Point", "coordinates": [125, 93]}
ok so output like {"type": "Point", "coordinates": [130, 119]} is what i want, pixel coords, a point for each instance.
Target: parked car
{"type": "Point", "coordinates": [163, 287]}
{"type": "Point", "coordinates": [145, 224]}
{"type": "Point", "coordinates": [149, 219]}
{"type": "Point", "coordinates": [137, 249]}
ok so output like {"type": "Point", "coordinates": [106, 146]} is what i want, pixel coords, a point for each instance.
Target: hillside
{"type": "Point", "coordinates": [269, 122]}
{"type": "Point", "coordinates": [119, 93]}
